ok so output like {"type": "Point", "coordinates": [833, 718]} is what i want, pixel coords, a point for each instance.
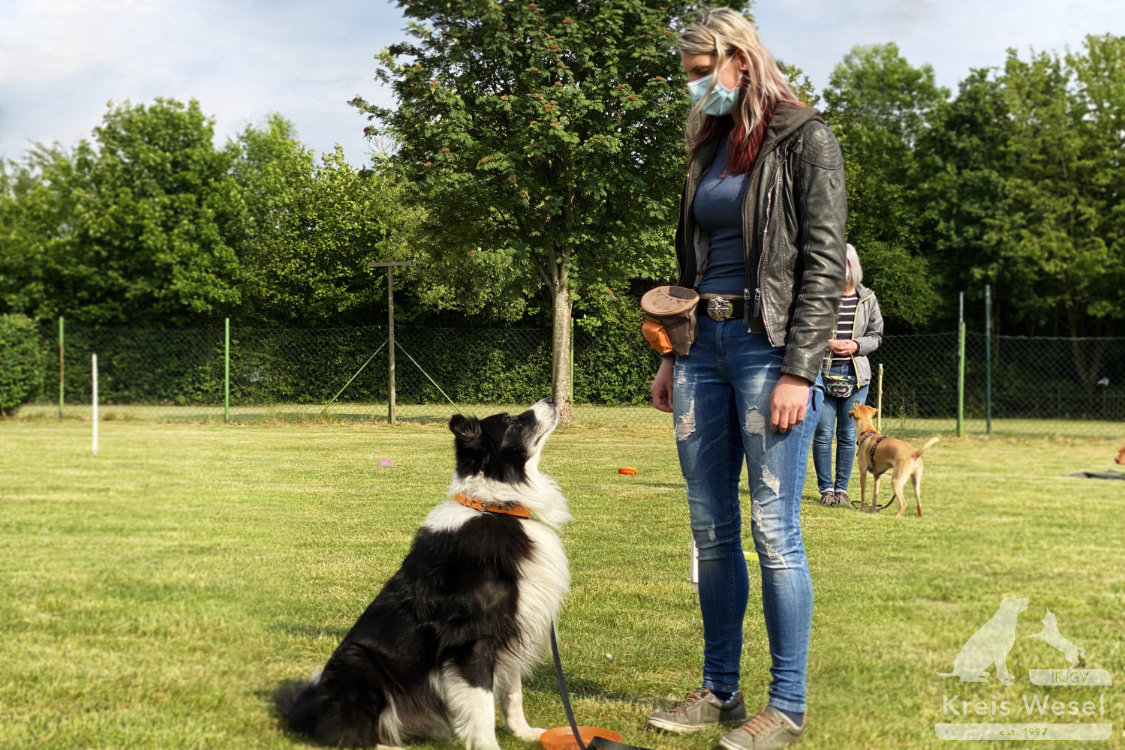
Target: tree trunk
{"type": "Point", "coordinates": [560, 352]}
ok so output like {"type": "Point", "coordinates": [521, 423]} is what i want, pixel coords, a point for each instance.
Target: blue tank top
{"type": "Point", "coordinates": [718, 211]}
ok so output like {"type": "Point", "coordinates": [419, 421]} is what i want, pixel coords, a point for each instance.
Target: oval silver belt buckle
{"type": "Point", "coordinates": [719, 308]}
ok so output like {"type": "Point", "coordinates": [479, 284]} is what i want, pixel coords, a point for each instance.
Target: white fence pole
{"type": "Point", "coordinates": [94, 396]}
{"type": "Point", "coordinates": [693, 574]}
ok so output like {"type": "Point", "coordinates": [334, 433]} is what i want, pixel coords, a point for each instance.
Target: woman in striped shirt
{"type": "Point", "coordinates": [859, 329]}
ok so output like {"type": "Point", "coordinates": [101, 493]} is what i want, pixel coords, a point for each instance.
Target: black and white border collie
{"type": "Point", "coordinates": [468, 613]}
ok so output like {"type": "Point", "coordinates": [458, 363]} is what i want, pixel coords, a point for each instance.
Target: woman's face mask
{"type": "Point", "coordinates": [722, 99]}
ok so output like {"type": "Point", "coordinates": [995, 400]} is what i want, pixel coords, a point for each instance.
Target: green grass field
{"type": "Point", "coordinates": [156, 595]}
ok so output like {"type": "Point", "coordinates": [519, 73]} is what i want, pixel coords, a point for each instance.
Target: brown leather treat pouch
{"type": "Point", "coordinates": [670, 324]}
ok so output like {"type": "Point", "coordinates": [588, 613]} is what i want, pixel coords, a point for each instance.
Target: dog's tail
{"type": "Point", "coordinates": [918, 453]}
{"type": "Point", "coordinates": [298, 705]}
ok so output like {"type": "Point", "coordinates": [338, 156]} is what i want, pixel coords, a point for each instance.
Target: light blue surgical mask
{"type": "Point", "coordinates": [720, 102]}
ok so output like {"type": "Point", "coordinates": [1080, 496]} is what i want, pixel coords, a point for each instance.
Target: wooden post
{"type": "Point", "coordinates": [390, 266]}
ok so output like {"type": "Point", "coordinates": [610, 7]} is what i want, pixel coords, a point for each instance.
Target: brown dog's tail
{"type": "Point", "coordinates": [918, 453]}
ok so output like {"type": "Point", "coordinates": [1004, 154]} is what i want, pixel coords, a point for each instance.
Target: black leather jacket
{"type": "Point", "coordinates": [793, 229]}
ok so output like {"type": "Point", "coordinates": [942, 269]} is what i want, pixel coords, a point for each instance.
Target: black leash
{"type": "Point", "coordinates": [598, 743]}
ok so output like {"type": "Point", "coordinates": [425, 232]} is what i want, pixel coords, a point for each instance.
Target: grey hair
{"type": "Point", "coordinates": [853, 261]}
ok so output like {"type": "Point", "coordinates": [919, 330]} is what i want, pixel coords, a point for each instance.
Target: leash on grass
{"type": "Point", "coordinates": [881, 507]}
{"type": "Point", "coordinates": [598, 743]}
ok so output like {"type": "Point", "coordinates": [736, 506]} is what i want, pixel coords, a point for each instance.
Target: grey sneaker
{"type": "Point", "coordinates": [700, 710]}
{"type": "Point", "coordinates": [843, 499]}
{"type": "Point", "coordinates": [767, 730]}
{"type": "Point", "coordinates": [828, 498]}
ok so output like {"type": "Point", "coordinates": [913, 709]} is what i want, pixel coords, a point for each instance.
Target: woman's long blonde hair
{"type": "Point", "coordinates": [725, 33]}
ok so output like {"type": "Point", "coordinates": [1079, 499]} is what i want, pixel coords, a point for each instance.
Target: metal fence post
{"type": "Point", "coordinates": [961, 366]}
{"type": "Point", "coordinates": [62, 369]}
{"type": "Point", "coordinates": [226, 374]}
{"type": "Point", "coordinates": [988, 359]}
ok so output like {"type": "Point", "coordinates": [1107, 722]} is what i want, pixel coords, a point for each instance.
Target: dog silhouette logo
{"type": "Point", "coordinates": [1052, 637]}
{"type": "Point", "coordinates": [990, 646]}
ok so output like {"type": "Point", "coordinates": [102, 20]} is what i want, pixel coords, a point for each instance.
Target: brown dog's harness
{"type": "Point", "coordinates": [879, 438]}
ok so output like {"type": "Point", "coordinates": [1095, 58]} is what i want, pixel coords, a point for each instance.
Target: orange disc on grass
{"type": "Point", "coordinates": [627, 470]}
{"type": "Point", "coordinates": [561, 738]}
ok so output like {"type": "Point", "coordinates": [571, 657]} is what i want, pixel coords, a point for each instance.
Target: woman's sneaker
{"type": "Point", "coordinates": [828, 498]}
{"type": "Point", "coordinates": [700, 710]}
{"type": "Point", "coordinates": [767, 730]}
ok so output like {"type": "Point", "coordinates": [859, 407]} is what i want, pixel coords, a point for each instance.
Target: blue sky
{"type": "Point", "coordinates": [61, 61]}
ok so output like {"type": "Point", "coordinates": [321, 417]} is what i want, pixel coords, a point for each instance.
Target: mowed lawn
{"type": "Point", "coordinates": [156, 595]}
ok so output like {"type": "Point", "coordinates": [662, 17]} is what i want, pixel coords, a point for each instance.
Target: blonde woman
{"type": "Point", "coordinates": [847, 374]}
{"type": "Point", "coordinates": [761, 238]}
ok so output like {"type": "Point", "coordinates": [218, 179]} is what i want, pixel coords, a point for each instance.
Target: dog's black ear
{"type": "Point", "coordinates": [464, 428]}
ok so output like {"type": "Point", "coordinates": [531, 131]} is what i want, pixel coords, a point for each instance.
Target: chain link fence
{"type": "Point", "coordinates": [342, 374]}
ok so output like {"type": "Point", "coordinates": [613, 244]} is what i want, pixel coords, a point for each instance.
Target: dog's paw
{"type": "Point", "coordinates": [529, 734]}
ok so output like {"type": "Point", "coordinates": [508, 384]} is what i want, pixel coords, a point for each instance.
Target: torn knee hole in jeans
{"type": "Point", "coordinates": [773, 554]}
{"type": "Point", "coordinates": [771, 551]}
{"type": "Point", "coordinates": [771, 481]}
{"type": "Point", "coordinates": [685, 425]}
{"type": "Point", "coordinates": [755, 422]}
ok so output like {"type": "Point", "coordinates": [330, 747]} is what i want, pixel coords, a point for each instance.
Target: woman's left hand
{"type": "Point", "coordinates": [843, 346]}
{"type": "Point", "coordinates": [788, 402]}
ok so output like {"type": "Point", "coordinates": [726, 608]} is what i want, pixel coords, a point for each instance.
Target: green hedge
{"type": "Point", "coordinates": [21, 363]}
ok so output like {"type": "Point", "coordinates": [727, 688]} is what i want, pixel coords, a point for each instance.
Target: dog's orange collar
{"type": "Point", "coordinates": [476, 503]}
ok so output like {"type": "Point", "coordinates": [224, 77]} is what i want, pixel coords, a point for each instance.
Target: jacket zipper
{"type": "Point", "coordinates": [762, 252]}
{"type": "Point", "coordinates": [855, 320]}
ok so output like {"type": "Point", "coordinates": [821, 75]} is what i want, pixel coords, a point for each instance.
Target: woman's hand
{"type": "Point", "coordinates": [843, 346]}
{"type": "Point", "coordinates": [788, 402]}
{"type": "Point", "coordinates": [662, 385]}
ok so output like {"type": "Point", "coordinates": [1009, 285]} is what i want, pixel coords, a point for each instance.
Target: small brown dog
{"type": "Point", "coordinates": [877, 454]}
{"type": "Point", "coordinates": [1121, 455]}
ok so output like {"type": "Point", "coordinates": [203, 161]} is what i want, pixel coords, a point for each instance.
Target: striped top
{"type": "Point", "coordinates": [845, 321]}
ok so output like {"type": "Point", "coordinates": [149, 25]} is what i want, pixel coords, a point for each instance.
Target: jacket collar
{"type": "Point", "coordinates": [787, 120]}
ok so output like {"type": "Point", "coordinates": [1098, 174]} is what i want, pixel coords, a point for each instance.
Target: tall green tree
{"type": "Point", "coordinates": [311, 228]}
{"type": "Point", "coordinates": [1061, 260]}
{"type": "Point", "coordinates": [965, 157]}
{"type": "Point", "coordinates": [545, 134]}
{"type": "Point", "coordinates": [38, 200]}
{"type": "Point", "coordinates": [1023, 186]}
{"type": "Point", "coordinates": [879, 106]}
{"type": "Point", "coordinates": [130, 229]}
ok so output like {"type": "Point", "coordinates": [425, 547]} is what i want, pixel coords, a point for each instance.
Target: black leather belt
{"type": "Point", "coordinates": [722, 308]}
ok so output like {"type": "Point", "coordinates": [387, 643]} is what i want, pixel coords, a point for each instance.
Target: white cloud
{"type": "Point", "coordinates": [953, 36]}
{"type": "Point", "coordinates": [62, 60]}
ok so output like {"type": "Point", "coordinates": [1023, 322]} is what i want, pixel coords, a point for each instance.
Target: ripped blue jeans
{"type": "Point", "coordinates": [721, 408]}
